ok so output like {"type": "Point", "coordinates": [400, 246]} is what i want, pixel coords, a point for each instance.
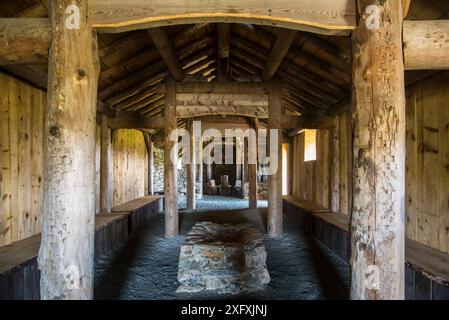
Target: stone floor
{"type": "Point", "coordinates": [146, 266]}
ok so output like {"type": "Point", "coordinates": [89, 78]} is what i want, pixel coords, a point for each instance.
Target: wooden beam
{"type": "Point", "coordinates": [167, 52]}
{"type": "Point", "coordinates": [170, 162]}
{"type": "Point", "coordinates": [106, 109]}
{"type": "Point", "coordinates": [134, 120]}
{"type": "Point", "coordinates": [66, 255]}
{"type": "Point", "coordinates": [218, 88]}
{"type": "Point", "coordinates": [406, 7]}
{"type": "Point", "coordinates": [307, 122]}
{"type": "Point", "coordinates": [217, 110]}
{"type": "Point", "coordinates": [283, 42]}
{"type": "Point", "coordinates": [325, 46]}
{"type": "Point", "coordinates": [105, 167]}
{"type": "Point", "coordinates": [274, 222]}
{"type": "Point", "coordinates": [378, 217]}
{"type": "Point", "coordinates": [223, 35]}
{"type": "Point", "coordinates": [321, 16]}
{"type": "Point", "coordinates": [340, 107]}
{"type": "Point", "coordinates": [24, 40]}
{"type": "Point", "coordinates": [37, 10]}
{"type": "Point", "coordinates": [426, 45]}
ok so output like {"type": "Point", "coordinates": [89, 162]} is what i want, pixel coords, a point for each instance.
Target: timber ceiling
{"type": "Point", "coordinates": [315, 68]}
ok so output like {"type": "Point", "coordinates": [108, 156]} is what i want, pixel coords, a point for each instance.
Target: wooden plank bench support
{"type": "Point", "coordinates": [19, 275]}
{"type": "Point", "coordinates": [427, 269]}
{"type": "Point", "coordinates": [140, 211]}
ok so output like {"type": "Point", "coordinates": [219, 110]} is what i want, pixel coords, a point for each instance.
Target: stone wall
{"type": "Point", "coordinates": [262, 190]}
{"type": "Point", "coordinates": [158, 183]}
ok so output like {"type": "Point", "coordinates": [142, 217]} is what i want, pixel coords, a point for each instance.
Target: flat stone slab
{"type": "Point", "coordinates": [223, 258]}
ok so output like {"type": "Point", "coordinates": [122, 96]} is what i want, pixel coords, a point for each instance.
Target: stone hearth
{"type": "Point", "coordinates": [223, 258]}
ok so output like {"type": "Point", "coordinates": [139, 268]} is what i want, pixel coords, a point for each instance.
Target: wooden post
{"type": "Point", "coordinates": [199, 169]}
{"type": "Point", "coordinates": [209, 172]}
{"type": "Point", "coordinates": [199, 194]}
{"type": "Point", "coordinates": [66, 256]}
{"type": "Point", "coordinates": [105, 167]}
{"type": "Point", "coordinates": [191, 184]}
{"type": "Point", "coordinates": [170, 168]}
{"type": "Point", "coordinates": [252, 172]}
{"type": "Point", "coordinates": [275, 180]}
{"type": "Point", "coordinates": [377, 220]}
{"type": "Point", "coordinates": [335, 168]}
{"type": "Point", "coordinates": [150, 150]}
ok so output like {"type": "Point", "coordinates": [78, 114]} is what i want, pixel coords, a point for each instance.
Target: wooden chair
{"type": "Point", "coordinates": [213, 188]}
{"type": "Point", "coordinates": [226, 187]}
{"type": "Point", "coordinates": [237, 188]}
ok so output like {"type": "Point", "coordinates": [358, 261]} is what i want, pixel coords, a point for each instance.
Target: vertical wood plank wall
{"type": "Point", "coordinates": [22, 110]}
{"type": "Point", "coordinates": [22, 124]}
{"type": "Point", "coordinates": [427, 162]}
{"type": "Point", "coordinates": [130, 178]}
{"type": "Point", "coordinates": [311, 180]}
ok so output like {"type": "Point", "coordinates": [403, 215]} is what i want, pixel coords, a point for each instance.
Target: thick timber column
{"type": "Point", "coordinates": [105, 167]}
{"type": "Point", "coordinates": [66, 255]}
{"type": "Point", "coordinates": [170, 168]}
{"type": "Point", "coordinates": [377, 220]}
{"type": "Point", "coordinates": [191, 168]}
{"type": "Point", "coordinates": [199, 168]}
{"type": "Point", "coordinates": [150, 167]}
{"type": "Point", "coordinates": [150, 150]}
{"type": "Point", "coordinates": [275, 180]}
{"type": "Point", "coordinates": [252, 169]}
{"type": "Point", "coordinates": [199, 194]}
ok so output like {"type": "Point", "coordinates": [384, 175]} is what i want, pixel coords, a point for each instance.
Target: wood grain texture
{"type": "Point", "coordinates": [24, 41]}
{"type": "Point", "coordinates": [130, 165]}
{"type": "Point", "coordinates": [67, 251]}
{"type": "Point", "coordinates": [274, 223]}
{"type": "Point", "coordinates": [426, 45]}
{"type": "Point", "coordinates": [337, 17]}
{"type": "Point", "coordinates": [427, 162]}
{"type": "Point", "coordinates": [22, 121]}
{"type": "Point", "coordinates": [378, 209]}
{"type": "Point", "coordinates": [170, 161]}
{"type": "Point", "coordinates": [283, 42]}
{"type": "Point", "coordinates": [105, 167]}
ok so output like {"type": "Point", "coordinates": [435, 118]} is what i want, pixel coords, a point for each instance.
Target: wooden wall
{"type": "Point", "coordinates": [22, 110]}
{"type": "Point", "coordinates": [310, 179]}
{"type": "Point", "coordinates": [427, 175]}
{"type": "Point", "coordinates": [326, 181]}
{"type": "Point", "coordinates": [130, 166]}
{"type": "Point", "coordinates": [22, 123]}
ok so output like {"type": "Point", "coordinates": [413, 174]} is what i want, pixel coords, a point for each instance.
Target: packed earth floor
{"type": "Point", "coordinates": [146, 266]}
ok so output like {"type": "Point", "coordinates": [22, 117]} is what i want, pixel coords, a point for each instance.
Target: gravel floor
{"type": "Point", "coordinates": [145, 267]}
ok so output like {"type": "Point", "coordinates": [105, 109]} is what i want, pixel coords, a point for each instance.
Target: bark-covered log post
{"type": "Point", "coordinates": [275, 179]}
{"type": "Point", "coordinates": [105, 167]}
{"type": "Point", "coordinates": [191, 168]}
{"type": "Point", "coordinates": [377, 219]}
{"type": "Point", "coordinates": [252, 169]}
{"type": "Point", "coordinates": [150, 166]}
{"type": "Point", "coordinates": [66, 256]}
{"type": "Point", "coordinates": [170, 161]}
{"type": "Point", "coordinates": [150, 150]}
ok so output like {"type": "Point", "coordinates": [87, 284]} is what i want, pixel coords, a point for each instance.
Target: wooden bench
{"type": "Point", "coordinates": [140, 211]}
{"type": "Point", "coordinates": [19, 275]}
{"type": "Point", "coordinates": [329, 228]}
{"type": "Point", "coordinates": [427, 269]}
